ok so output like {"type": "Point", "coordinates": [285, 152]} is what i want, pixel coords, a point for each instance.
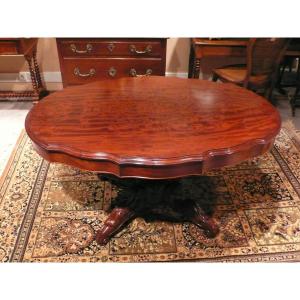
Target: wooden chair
{"type": "Point", "coordinates": [260, 72]}
{"type": "Point", "coordinates": [291, 55]}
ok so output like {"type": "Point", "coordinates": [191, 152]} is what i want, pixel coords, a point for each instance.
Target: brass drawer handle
{"type": "Point", "coordinates": [133, 73]}
{"type": "Point", "coordinates": [91, 73]}
{"type": "Point", "coordinates": [148, 49]}
{"type": "Point", "coordinates": [112, 72]}
{"type": "Point", "coordinates": [89, 48]}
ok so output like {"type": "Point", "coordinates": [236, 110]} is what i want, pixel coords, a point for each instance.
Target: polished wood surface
{"type": "Point", "coordinates": [84, 60]}
{"type": "Point", "coordinates": [152, 127]}
{"type": "Point", "coordinates": [28, 48]}
{"type": "Point", "coordinates": [109, 69]}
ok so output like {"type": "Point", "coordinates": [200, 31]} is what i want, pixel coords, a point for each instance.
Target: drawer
{"type": "Point", "coordinates": [8, 48]}
{"type": "Point", "coordinates": [80, 71]}
{"type": "Point", "coordinates": [110, 48]}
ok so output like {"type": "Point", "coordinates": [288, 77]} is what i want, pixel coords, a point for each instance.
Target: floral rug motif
{"type": "Point", "coordinates": [50, 213]}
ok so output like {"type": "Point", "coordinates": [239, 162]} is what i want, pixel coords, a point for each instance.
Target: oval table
{"type": "Point", "coordinates": [145, 134]}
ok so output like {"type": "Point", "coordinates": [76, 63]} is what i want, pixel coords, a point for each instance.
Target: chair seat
{"type": "Point", "coordinates": [237, 75]}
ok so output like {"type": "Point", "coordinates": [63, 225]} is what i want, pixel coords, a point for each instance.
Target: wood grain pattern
{"type": "Point", "coordinates": [152, 127]}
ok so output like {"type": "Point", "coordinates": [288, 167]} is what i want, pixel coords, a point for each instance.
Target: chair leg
{"type": "Point", "coordinates": [279, 79]}
{"type": "Point", "coordinates": [293, 106]}
{"type": "Point", "coordinates": [191, 63]}
{"type": "Point", "coordinates": [269, 93]}
{"type": "Point", "coordinates": [293, 101]}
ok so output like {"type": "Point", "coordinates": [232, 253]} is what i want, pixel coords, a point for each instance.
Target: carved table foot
{"type": "Point", "coordinates": [179, 200]}
{"type": "Point", "coordinates": [207, 223]}
{"type": "Point", "coordinates": [117, 218]}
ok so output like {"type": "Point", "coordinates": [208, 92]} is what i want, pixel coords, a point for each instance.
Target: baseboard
{"type": "Point", "coordinates": [55, 77]}
{"type": "Point", "coordinates": [177, 74]}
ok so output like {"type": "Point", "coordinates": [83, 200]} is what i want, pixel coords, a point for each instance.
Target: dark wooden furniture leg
{"type": "Point", "coordinates": [294, 100]}
{"type": "Point", "coordinates": [196, 68]}
{"type": "Point", "coordinates": [29, 59]}
{"type": "Point", "coordinates": [37, 71]}
{"type": "Point", "coordinates": [37, 84]}
{"type": "Point", "coordinates": [191, 62]}
{"type": "Point", "coordinates": [41, 88]}
{"type": "Point", "coordinates": [172, 200]}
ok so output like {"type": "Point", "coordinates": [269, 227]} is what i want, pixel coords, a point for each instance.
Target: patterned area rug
{"type": "Point", "coordinates": [50, 212]}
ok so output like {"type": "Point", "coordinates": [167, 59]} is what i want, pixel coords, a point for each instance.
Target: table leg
{"type": "Point", "coordinates": [191, 63]}
{"type": "Point", "coordinates": [37, 84]}
{"type": "Point", "coordinates": [196, 68]}
{"type": "Point", "coordinates": [172, 200]}
{"type": "Point", "coordinates": [29, 59]}
{"type": "Point", "coordinates": [37, 71]}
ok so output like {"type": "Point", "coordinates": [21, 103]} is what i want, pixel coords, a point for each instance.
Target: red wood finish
{"type": "Point", "coordinates": [110, 47]}
{"type": "Point", "coordinates": [109, 68]}
{"type": "Point", "coordinates": [83, 60]}
{"type": "Point", "coordinates": [152, 127]}
{"type": "Point", "coordinates": [116, 219]}
{"type": "Point", "coordinates": [18, 46]}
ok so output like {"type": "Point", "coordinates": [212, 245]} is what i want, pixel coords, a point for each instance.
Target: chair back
{"type": "Point", "coordinates": [264, 56]}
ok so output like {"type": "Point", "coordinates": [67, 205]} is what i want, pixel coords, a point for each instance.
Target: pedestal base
{"type": "Point", "coordinates": [173, 200]}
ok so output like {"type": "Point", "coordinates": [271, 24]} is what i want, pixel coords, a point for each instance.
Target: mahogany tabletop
{"type": "Point", "coordinates": [152, 127]}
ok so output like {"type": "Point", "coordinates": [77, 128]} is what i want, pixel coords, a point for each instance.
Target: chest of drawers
{"type": "Point", "coordinates": [84, 60]}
